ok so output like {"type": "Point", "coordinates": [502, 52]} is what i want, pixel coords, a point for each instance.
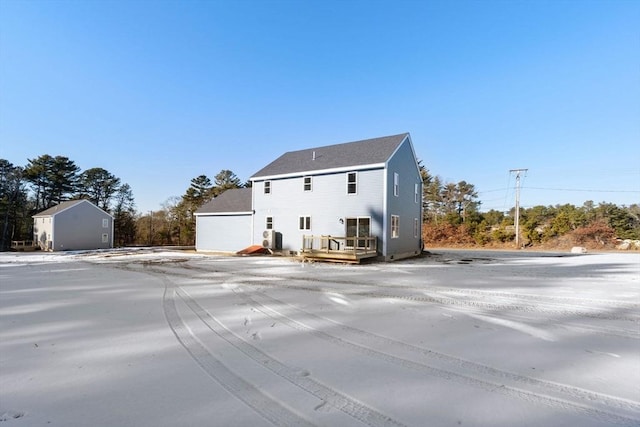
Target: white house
{"type": "Point", "coordinates": [73, 225]}
{"type": "Point", "coordinates": [348, 201]}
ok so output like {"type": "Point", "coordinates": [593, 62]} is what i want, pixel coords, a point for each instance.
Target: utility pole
{"type": "Point", "coordinates": [517, 214]}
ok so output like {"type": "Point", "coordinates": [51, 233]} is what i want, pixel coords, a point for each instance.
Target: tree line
{"type": "Point", "coordinates": [48, 180]}
{"type": "Point", "coordinates": [452, 217]}
{"type": "Point", "coordinates": [175, 223]}
{"type": "Point", "coordinates": [452, 213]}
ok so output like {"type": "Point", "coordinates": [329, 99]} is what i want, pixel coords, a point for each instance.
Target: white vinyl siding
{"type": "Point", "coordinates": [395, 226]}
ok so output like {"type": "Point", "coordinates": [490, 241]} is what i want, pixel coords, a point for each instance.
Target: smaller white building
{"type": "Point", "coordinates": [73, 225]}
{"type": "Point", "coordinates": [224, 223]}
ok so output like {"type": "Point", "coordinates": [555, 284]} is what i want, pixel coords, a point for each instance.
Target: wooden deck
{"type": "Point", "coordinates": [23, 246]}
{"type": "Point", "coordinates": [339, 249]}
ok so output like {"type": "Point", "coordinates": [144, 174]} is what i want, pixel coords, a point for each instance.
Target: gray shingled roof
{"type": "Point", "coordinates": [350, 154]}
{"type": "Point", "coordinates": [234, 200]}
{"type": "Point", "coordinates": [58, 208]}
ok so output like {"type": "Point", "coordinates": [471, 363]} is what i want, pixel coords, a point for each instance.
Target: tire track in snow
{"type": "Point", "coordinates": [559, 305]}
{"type": "Point", "coordinates": [537, 298]}
{"type": "Point", "coordinates": [446, 300]}
{"type": "Point", "coordinates": [328, 395]}
{"type": "Point", "coordinates": [390, 292]}
{"type": "Point", "coordinates": [269, 409]}
{"type": "Point", "coordinates": [369, 338]}
{"type": "Point", "coordinates": [529, 396]}
{"type": "Point", "coordinates": [533, 397]}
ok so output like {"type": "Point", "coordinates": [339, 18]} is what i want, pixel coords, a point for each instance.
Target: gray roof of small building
{"type": "Point", "coordinates": [234, 200]}
{"type": "Point", "coordinates": [61, 207]}
{"type": "Point", "coordinates": [350, 154]}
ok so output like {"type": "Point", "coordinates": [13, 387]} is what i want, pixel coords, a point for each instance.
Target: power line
{"type": "Point", "coordinates": [583, 190]}
{"type": "Point", "coordinates": [561, 189]}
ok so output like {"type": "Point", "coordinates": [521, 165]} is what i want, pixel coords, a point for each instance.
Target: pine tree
{"type": "Point", "coordinates": [225, 180]}
{"type": "Point", "coordinates": [99, 186]}
{"type": "Point", "coordinates": [124, 216]}
{"type": "Point", "coordinates": [13, 203]}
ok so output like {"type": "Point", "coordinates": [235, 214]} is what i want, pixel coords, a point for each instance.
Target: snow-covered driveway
{"type": "Point", "coordinates": [159, 338]}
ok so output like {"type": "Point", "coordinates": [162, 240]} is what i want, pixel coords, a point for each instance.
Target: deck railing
{"type": "Point", "coordinates": [340, 245]}
{"type": "Point", "coordinates": [23, 245]}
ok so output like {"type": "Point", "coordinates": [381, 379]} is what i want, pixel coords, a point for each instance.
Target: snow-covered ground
{"type": "Point", "coordinates": [160, 338]}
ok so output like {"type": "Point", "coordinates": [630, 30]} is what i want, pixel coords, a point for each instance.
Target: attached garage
{"type": "Point", "coordinates": [224, 224]}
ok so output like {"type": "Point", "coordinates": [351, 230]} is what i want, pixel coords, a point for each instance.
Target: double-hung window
{"type": "Point", "coordinates": [395, 226]}
{"type": "Point", "coordinates": [269, 223]}
{"type": "Point", "coordinates": [352, 183]}
{"type": "Point", "coordinates": [267, 187]}
{"type": "Point", "coordinates": [307, 183]}
{"type": "Point", "coordinates": [416, 193]}
{"type": "Point", "coordinates": [304, 223]}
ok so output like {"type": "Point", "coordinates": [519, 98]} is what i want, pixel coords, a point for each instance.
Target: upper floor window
{"type": "Point", "coordinates": [267, 187]}
{"type": "Point", "coordinates": [304, 223]}
{"type": "Point", "coordinates": [416, 193]}
{"type": "Point", "coordinates": [105, 223]}
{"type": "Point", "coordinates": [307, 183]}
{"type": "Point", "coordinates": [352, 183]}
{"type": "Point", "coordinates": [269, 223]}
{"type": "Point", "coordinates": [396, 184]}
{"type": "Point", "coordinates": [395, 226]}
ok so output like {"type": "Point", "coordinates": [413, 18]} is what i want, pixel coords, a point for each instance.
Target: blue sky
{"type": "Point", "coordinates": [159, 92]}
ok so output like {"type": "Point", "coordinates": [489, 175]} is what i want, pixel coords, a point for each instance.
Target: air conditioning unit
{"type": "Point", "coordinates": [269, 239]}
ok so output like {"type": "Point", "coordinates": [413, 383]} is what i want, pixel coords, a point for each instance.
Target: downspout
{"type": "Point", "coordinates": [53, 237]}
{"type": "Point", "coordinates": [421, 218]}
{"type": "Point", "coordinates": [112, 233]}
{"type": "Point", "coordinates": [253, 213]}
{"type": "Point", "coordinates": [385, 208]}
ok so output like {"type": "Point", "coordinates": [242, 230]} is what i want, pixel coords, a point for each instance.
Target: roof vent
{"type": "Point", "coordinates": [314, 155]}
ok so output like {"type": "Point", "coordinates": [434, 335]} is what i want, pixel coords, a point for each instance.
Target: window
{"type": "Point", "coordinates": [105, 223]}
{"type": "Point", "coordinates": [416, 227]}
{"type": "Point", "coordinates": [352, 183]}
{"type": "Point", "coordinates": [267, 187]}
{"type": "Point", "coordinates": [105, 238]}
{"type": "Point", "coordinates": [269, 223]}
{"type": "Point", "coordinates": [396, 185]}
{"type": "Point", "coordinates": [305, 223]}
{"type": "Point", "coordinates": [307, 183]}
{"type": "Point", "coordinates": [416, 193]}
{"type": "Point", "coordinates": [395, 226]}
